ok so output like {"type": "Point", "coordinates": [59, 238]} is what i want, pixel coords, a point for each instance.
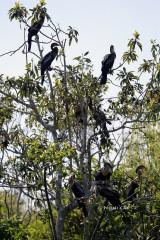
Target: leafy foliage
{"type": "Point", "coordinates": [12, 229]}
{"type": "Point", "coordinates": [49, 131]}
{"type": "Point", "coordinates": [18, 12]}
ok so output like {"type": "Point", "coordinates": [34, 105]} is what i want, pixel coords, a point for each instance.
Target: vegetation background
{"type": "Point", "coordinates": [42, 140]}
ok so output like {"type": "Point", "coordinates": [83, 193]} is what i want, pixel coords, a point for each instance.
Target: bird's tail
{"type": "Point", "coordinates": [103, 79]}
{"type": "Point", "coordinates": [29, 42]}
{"type": "Point", "coordinates": [42, 75]}
{"type": "Point", "coordinates": [84, 209]}
{"type": "Point", "coordinates": [82, 205]}
{"type": "Point", "coordinates": [113, 197]}
{"type": "Point", "coordinates": [42, 80]}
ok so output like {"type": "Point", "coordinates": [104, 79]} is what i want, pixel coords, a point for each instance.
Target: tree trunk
{"type": "Point", "coordinates": [60, 224]}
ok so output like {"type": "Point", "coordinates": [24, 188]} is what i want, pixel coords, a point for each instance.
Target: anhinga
{"type": "Point", "coordinates": [47, 59]}
{"type": "Point", "coordinates": [131, 194]}
{"type": "Point", "coordinates": [107, 64]}
{"type": "Point", "coordinates": [102, 181]}
{"type": "Point", "coordinates": [34, 29]}
{"type": "Point", "coordinates": [79, 193]}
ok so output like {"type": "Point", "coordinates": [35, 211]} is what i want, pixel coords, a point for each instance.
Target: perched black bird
{"type": "Point", "coordinates": [107, 65]}
{"type": "Point", "coordinates": [47, 59]}
{"type": "Point", "coordinates": [111, 196]}
{"type": "Point", "coordinates": [34, 29]}
{"type": "Point", "coordinates": [79, 193]}
{"type": "Point", "coordinates": [131, 195]}
{"type": "Point", "coordinates": [102, 180]}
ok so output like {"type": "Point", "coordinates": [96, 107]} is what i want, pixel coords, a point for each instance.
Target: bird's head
{"type": "Point", "coordinates": [112, 49]}
{"type": "Point", "coordinates": [140, 169]}
{"type": "Point", "coordinates": [107, 169]}
{"type": "Point", "coordinates": [53, 45]}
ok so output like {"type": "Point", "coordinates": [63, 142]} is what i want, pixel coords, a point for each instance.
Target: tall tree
{"type": "Point", "coordinates": [69, 123]}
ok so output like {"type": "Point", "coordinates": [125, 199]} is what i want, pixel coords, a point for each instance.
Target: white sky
{"type": "Point", "coordinates": [100, 24]}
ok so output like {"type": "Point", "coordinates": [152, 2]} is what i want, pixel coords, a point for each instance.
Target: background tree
{"type": "Point", "coordinates": [70, 123]}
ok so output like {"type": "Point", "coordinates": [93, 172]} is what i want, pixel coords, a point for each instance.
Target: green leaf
{"type": "Point", "coordinates": [145, 66]}
{"type": "Point", "coordinates": [130, 57]}
{"type": "Point", "coordinates": [77, 58]}
{"type": "Point", "coordinates": [86, 53]}
{"type": "Point", "coordinates": [18, 12]}
{"type": "Point", "coordinates": [87, 60]}
{"type": "Point", "coordinates": [136, 35]}
{"type": "Point", "coordinates": [42, 2]}
{"type": "Point", "coordinates": [139, 45]}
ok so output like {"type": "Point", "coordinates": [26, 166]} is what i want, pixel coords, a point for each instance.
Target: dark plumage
{"type": "Point", "coordinates": [34, 29]}
{"type": "Point", "coordinates": [107, 65]}
{"type": "Point", "coordinates": [79, 193]}
{"type": "Point", "coordinates": [131, 195]}
{"type": "Point", "coordinates": [47, 60]}
{"type": "Point", "coordinates": [104, 187]}
{"type": "Point", "coordinates": [111, 195]}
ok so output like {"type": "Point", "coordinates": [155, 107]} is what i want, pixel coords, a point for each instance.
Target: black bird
{"type": "Point", "coordinates": [79, 193]}
{"type": "Point", "coordinates": [131, 195]}
{"type": "Point", "coordinates": [47, 59]}
{"type": "Point", "coordinates": [34, 29]}
{"type": "Point", "coordinates": [102, 179]}
{"type": "Point", "coordinates": [107, 65]}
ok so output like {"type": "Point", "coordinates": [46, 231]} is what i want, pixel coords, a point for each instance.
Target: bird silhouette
{"type": "Point", "coordinates": [34, 29]}
{"type": "Point", "coordinates": [107, 65]}
{"type": "Point", "coordinates": [47, 60]}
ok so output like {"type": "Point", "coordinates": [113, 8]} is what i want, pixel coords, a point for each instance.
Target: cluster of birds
{"type": "Point", "coordinates": [47, 60]}
{"type": "Point", "coordinates": [103, 187]}
{"type": "Point", "coordinates": [49, 57]}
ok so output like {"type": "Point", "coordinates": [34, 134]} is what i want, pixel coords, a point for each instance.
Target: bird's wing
{"type": "Point", "coordinates": [46, 59]}
{"type": "Point", "coordinates": [105, 58]}
{"type": "Point", "coordinates": [80, 190]}
{"type": "Point", "coordinates": [110, 60]}
{"type": "Point", "coordinates": [36, 26]}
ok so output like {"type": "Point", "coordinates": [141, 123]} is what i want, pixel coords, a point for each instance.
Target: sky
{"type": "Point", "coordinates": [99, 23]}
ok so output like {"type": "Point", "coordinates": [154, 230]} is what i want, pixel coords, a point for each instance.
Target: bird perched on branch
{"type": "Point", "coordinates": [34, 29]}
{"type": "Point", "coordinates": [103, 185]}
{"type": "Point", "coordinates": [48, 59]}
{"type": "Point", "coordinates": [107, 65]}
{"type": "Point", "coordinates": [131, 194]}
{"type": "Point", "coordinates": [78, 192]}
